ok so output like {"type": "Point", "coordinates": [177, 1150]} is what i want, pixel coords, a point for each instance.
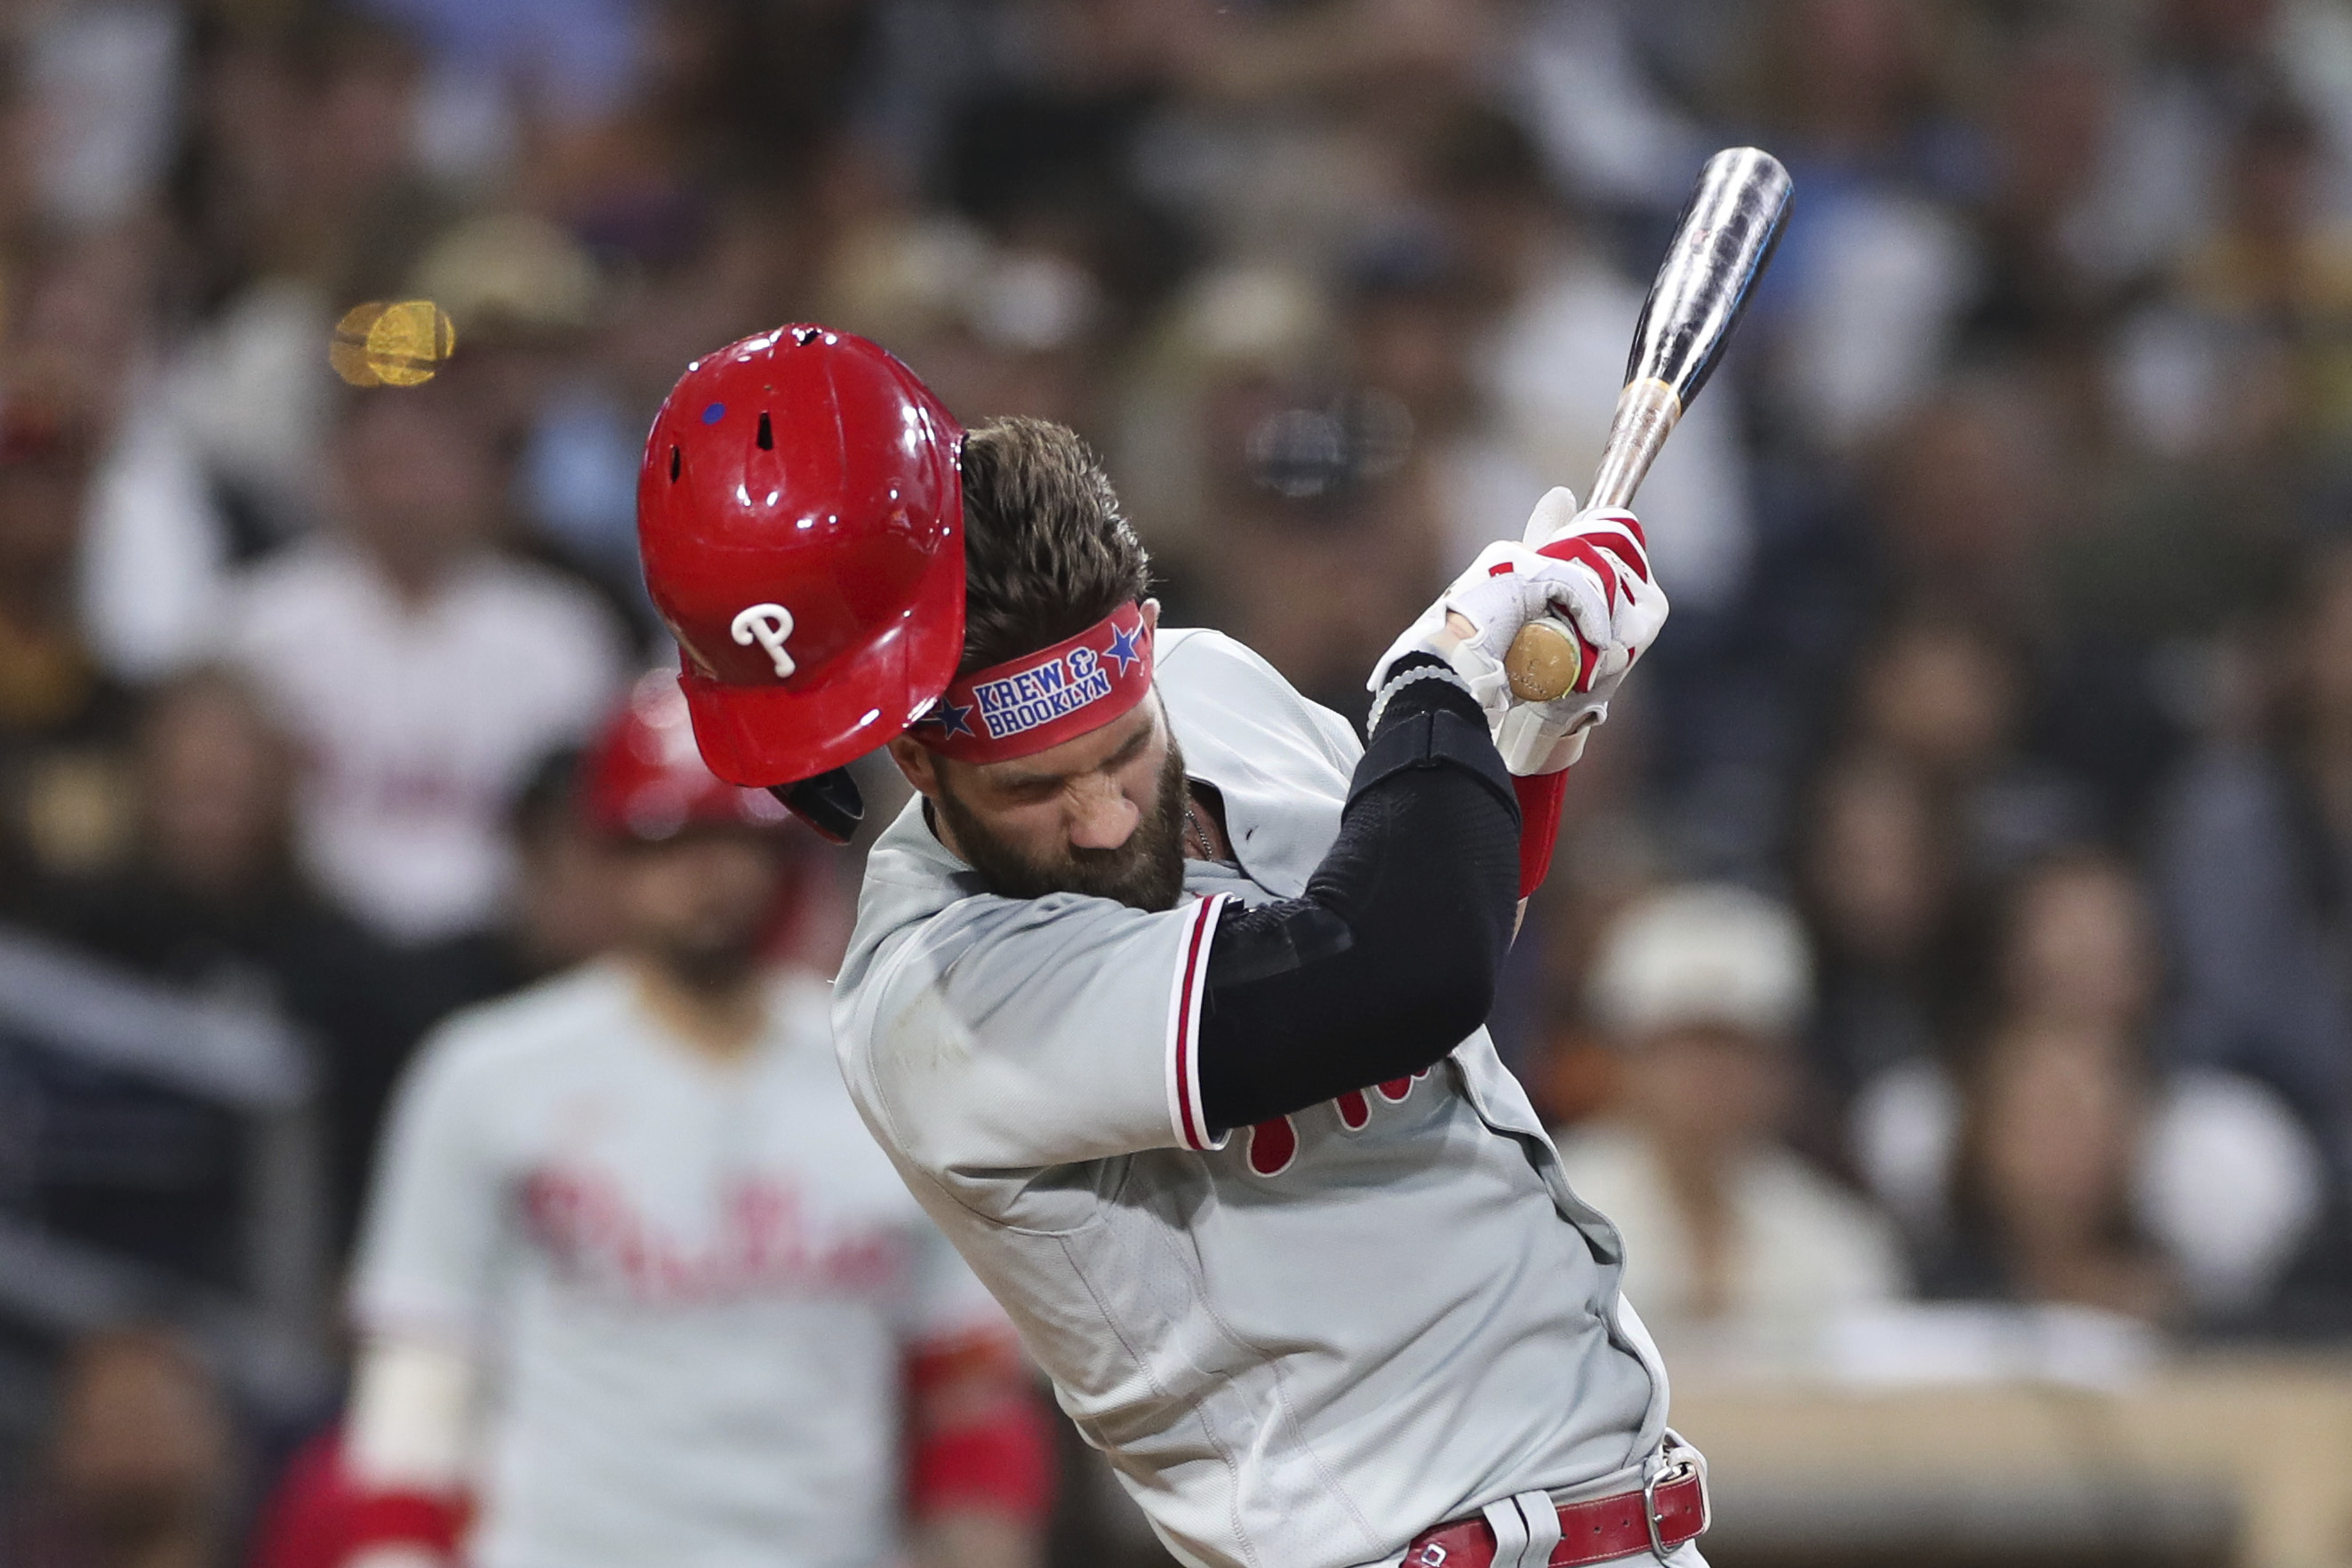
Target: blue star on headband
{"type": "Point", "coordinates": [1122, 647]}
{"type": "Point", "coordinates": [951, 720]}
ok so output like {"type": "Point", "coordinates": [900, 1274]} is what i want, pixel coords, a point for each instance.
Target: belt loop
{"type": "Point", "coordinates": [1510, 1534]}
{"type": "Point", "coordinates": [1541, 1516]}
{"type": "Point", "coordinates": [1675, 1460]}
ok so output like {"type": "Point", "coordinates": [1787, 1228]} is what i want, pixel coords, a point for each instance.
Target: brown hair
{"type": "Point", "coordinates": [1047, 553]}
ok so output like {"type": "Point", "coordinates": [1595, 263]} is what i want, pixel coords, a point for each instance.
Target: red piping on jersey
{"type": "Point", "coordinates": [1195, 1135]}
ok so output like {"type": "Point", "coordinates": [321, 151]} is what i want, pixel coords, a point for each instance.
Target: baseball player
{"type": "Point", "coordinates": [636, 1280]}
{"type": "Point", "coordinates": [1166, 996]}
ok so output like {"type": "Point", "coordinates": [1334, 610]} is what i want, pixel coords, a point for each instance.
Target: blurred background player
{"type": "Point", "coordinates": [636, 1285]}
{"type": "Point", "coordinates": [1735, 1246]}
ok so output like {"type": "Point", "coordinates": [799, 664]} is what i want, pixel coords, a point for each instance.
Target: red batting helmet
{"type": "Point", "coordinates": [643, 778]}
{"type": "Point", "coordinates": [801, 517]}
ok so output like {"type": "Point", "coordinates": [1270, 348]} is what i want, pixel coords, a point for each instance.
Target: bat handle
{"type": "Point", "coordinates": [1543, 661]}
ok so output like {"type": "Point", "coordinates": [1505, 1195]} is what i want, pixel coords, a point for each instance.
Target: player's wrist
{"type": "Point", "coordinates": [396, 1554]}
{"type": "Point", "coordinates": [1395, 695]}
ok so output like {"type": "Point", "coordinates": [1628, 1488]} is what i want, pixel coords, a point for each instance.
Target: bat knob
{"type": "Point", "coordinates": [1543, 661]}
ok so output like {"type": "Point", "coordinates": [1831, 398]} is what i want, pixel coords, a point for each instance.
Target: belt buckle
{"type": "Point", "coordinates": [1681, 1461]}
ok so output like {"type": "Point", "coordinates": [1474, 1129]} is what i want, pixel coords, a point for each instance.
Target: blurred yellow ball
{"type": "Point", "coordinates": [401, 345]}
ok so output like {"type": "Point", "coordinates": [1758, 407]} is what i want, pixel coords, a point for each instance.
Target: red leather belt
{"type": "Point", "coordinates": [1651, 1521]}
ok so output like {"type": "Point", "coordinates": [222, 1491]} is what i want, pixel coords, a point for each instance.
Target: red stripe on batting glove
{"type": "Point", "coordinates": [1634, 559]}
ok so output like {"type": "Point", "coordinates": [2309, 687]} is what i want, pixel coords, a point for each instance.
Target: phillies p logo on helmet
{"type": "Point", "coordinates": [768, 625]}
{"type": "Point", "coordinates": [803, 468]}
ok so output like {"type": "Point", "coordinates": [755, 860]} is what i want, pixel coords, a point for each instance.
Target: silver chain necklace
{"type": "Point", "coordinates": [1200, 833]}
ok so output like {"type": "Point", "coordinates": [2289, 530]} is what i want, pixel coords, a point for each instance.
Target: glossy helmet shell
{"type": "Point", "coordinates": [644, 777]}
{"type": "Point", "coordinates": [801, 517]}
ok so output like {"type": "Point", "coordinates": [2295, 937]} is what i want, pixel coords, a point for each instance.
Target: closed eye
{"type": "Point", "coordinates": [1129, 751]}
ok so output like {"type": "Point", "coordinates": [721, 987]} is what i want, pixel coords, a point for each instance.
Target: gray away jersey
{"type": "Point", "coordinates": [1301, 1344]}
{"type": "Point", "coordinates": [688, 1284]}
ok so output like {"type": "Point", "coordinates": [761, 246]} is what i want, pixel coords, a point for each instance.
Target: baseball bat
{"type": "Point", "coordinates": [1722, 243]}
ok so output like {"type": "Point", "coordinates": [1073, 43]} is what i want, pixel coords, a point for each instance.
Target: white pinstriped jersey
{"type": "Point", "coordinates": [1301, 1344]}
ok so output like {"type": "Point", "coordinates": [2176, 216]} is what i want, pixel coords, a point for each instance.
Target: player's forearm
{"type": "Point", "coordinates": [977, 1537]}
{"type": "Point", "coordinates": [981, 1474]}
{"type": "Point", "coordinates": [410, 1402]}
{"type": "Point", "coordinates": [1392, 955]}
{"type": "Point", "coordinates": [405, 1453]}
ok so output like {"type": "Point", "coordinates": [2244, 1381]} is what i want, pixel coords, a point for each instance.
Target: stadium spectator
{"type": "Point", "coordinates": [2247, 861]}
{"type": "Point", "coordinates": [1880, 867]}
{"type": "Point", "coordinates": [2059, 1162]}
{"type": "Point", "coordinates": [212, 898]}
{"type": "Point", "coordinates": [140, 1466]}
{"type": "Point", "coordinates": [64, 723]}
{"type": "Point", "coordinates": [1943, 693]}
{"type": "Point", "coordinates": [1870, 290]}
{"type": "Point", "coordinates": [1736, 1249]}
{"type": "Point", "coordinates": [422, 671]}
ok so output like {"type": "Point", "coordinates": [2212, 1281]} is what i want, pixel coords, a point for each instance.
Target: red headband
{"type": "Point", "coordinates": [1044, 698]}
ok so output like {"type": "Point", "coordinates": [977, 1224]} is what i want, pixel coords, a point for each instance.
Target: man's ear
{"type": "Point", "coordinates": [1151, 615]}
{"type": "Point", "coordinates": [915, 761]}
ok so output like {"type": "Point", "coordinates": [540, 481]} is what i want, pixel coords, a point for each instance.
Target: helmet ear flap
{"type": "Point", "coordinates": [829, 803]}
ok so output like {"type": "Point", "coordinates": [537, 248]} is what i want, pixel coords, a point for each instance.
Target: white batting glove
{"type": "Point", "coordinates": [1616, 609]}
{"type": "Point", "coordinates": [1471, 624]}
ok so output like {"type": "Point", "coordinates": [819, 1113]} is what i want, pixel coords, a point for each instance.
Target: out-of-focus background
{"type": "Point", "coordinates": [1946, 977]}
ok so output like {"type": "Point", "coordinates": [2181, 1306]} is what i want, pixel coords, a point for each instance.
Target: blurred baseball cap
{"type": "Point", "coordinates": [1703, 955]}
{"type": "Point", "coordinates": [644, 778]}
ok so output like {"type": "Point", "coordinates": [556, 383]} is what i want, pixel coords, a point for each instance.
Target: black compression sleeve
{"type": "Point", "coordinates": [1390, 957]}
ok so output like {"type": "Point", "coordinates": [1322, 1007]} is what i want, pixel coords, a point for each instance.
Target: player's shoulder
{"type": "Point", "coordinates": [1219, 680]}
{"type": "Point", "coordinates": [800, 1009]}
{"type": "Point", "coordinates": [1280, 763]}
{"type": "Point", "coordinates": [1202, 656]}
{"type": "Point", "coordinates": [527, 1028]}
{"type": "Point", "coordinates": [313, 581]}
{"type": "Point", "coordinates": [532, 616]}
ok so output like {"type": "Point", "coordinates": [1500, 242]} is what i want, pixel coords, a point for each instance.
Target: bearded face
{"type": "Point", "coordinates": [1145, 873]}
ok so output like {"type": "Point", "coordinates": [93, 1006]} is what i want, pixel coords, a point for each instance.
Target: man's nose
{"type": "Point", "coordinates": [1100, 815]}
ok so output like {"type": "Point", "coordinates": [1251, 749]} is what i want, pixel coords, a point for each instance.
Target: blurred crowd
{"type": "Point", "coordinates": [1958, 907]}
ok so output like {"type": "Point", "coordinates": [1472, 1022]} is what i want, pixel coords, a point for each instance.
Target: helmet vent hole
{"type": "Point", "coordinates": [804, 335]}
{"type": "Point", "coordinates": [767, 434]}
{"type": "Point", "coordinates": [675, 464]}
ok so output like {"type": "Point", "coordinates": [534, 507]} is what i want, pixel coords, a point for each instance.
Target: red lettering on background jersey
{"type": "Point", "coordinates": [762, 1243]}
